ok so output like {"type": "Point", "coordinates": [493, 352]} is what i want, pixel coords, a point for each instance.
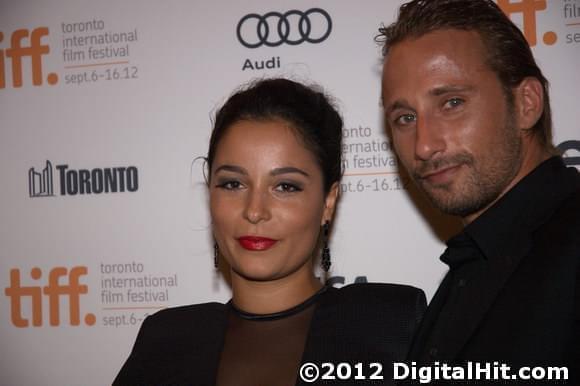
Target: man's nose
{"type": "Point", "coordinates": [429, 139]}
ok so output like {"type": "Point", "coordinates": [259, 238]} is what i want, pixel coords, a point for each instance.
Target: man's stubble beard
{"type": "Point", "coordinates": [485, 180]}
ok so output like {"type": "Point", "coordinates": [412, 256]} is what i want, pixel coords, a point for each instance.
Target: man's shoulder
{"type": "Point", "coordinates": [564, 222]}
{"type": "Point", "coordinates": [558, 238]}
{"type": "Point", "coordinates": [569, 209]}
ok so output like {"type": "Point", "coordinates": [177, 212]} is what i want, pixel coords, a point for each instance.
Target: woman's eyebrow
{"type": "Point", "coordinates": [232, 168]}
{"type": "Point", "coordinates": [288, 169]}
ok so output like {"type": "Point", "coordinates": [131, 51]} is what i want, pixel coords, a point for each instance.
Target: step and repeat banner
{"type": "Point", "coordinates": [105, 107]}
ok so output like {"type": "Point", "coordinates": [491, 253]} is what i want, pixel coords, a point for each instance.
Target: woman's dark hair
{"type": "Point", "coordinates": [508, 53]}
{"type": "Point", "coordinates": [307, 109]}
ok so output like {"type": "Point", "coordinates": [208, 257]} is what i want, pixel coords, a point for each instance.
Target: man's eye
{"type": "Point", "coordinates": [287, 188]}
{"type": "Point", "coordinates": [453, 102]}
{"type": "Point", "coordinates": [405, 119]}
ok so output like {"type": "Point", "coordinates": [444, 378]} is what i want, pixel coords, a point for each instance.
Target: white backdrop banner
{"type": "Point", "coordinates": [104, 107]}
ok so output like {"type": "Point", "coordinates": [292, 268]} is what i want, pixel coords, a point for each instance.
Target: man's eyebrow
{"type": "Point", "coordinates": [398, 104]}
{"type": "Point", "coordinates": [442, 90]}
{"type": "Point", "coordinates": [436, 91]}
{"type": "Point", "coordinates": [288, 169]}
{"type": "Point", "coordinates": [232, 168]}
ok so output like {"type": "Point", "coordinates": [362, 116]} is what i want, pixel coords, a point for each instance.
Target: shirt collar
{"type": "Point", "coordinates": [510, 221]}
{"type": "Point", "coordinates": [460, 249]}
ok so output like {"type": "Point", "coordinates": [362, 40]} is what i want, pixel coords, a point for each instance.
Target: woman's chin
{"type": "Point", "coordinates": [257, 272]}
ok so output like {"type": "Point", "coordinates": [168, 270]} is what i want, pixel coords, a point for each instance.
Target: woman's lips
{"type": "Point", "coordinates": [255, 243]}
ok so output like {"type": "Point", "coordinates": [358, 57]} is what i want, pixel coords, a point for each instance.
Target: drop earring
{"type": "Point", "coordinates": [216, 254]}
{"type": "Point", "coordinates": [325, 259]}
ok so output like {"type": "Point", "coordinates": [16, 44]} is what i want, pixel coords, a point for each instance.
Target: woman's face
{"type": "Point", "coordinates": [266, 200]}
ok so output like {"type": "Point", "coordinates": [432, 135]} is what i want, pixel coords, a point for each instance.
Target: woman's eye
{"type": "Point", "coordinates": [229, 185]}
{"type": "Point", "coordinates": [288, 188]}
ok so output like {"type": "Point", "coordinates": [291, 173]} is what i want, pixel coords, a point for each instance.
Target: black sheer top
{"type": "Point", "coordinates": [265, 349]}
{"type": "Point", "coordinates": [214, 344]}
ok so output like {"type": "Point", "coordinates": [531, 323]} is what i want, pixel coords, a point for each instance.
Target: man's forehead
{"type": "Point", "coordinates": [434, 63]}
{"type": "Point", "coordinates": [449, 41]}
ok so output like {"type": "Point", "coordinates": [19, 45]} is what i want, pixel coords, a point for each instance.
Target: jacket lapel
{"type": "Point", "coordinates": [429, 319]}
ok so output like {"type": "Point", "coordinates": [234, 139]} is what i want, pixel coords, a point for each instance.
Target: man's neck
{"type": "Point", "coordinates": [533, 155]}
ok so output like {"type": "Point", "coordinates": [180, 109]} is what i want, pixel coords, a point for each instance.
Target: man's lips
{"type": "Point", "coordinates": [440, 176]}
{"type": "Point", "coordinates": [256, 243]}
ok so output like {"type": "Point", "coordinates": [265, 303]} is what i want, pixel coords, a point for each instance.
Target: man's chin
{"type": "Point", "coordinates": [446, 199]}
{"type": "Point", "coordinates": [458, 206]}
{"type": "Point", "coordinates": [447, 202]}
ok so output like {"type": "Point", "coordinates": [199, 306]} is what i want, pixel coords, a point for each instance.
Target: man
{"type": "Point", "coordinates": [469, 115]}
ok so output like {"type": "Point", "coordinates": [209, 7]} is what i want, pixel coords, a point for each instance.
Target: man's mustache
{"type": "Point", "coordinates": [429, 167]}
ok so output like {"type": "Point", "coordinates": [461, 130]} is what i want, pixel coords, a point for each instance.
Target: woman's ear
{"type": "Point", "coordinates": [330, 203]}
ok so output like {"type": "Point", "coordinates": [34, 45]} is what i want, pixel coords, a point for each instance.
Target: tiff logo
{"type": "Point", "coordinates": [19, 48]}
{"type": "Point", "coordinates": [40, 184]}
{"type": "Point", "coordinates": [53, 291]}
{"type": "Point", "coordinates": [528, 9]}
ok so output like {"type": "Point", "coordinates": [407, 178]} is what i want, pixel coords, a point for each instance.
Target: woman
{"type": "Point", "coordinates": [274, 168]}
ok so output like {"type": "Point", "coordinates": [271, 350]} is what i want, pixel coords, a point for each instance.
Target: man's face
{"type": "Point", "coordinates": [451, 124]}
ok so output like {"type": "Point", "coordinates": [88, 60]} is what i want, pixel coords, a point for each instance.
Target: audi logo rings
{"type": "Point", "coordinates": [284, 28]}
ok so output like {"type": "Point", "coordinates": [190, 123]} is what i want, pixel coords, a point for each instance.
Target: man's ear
{"type": "Point", "coordinates": [528, 102]}
{"type": "Point", "coordinates": [330, 203]}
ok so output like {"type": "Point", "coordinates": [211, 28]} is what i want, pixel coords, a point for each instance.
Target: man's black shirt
{"type": "Point", "coordinates": [512, 292]}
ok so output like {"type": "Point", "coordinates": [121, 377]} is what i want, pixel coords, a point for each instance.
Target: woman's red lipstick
{"type": "Point", "coordinates": [256, 243]}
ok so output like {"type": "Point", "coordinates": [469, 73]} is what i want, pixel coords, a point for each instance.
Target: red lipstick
{"type": "Point", "coordinates": [256, 243]}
